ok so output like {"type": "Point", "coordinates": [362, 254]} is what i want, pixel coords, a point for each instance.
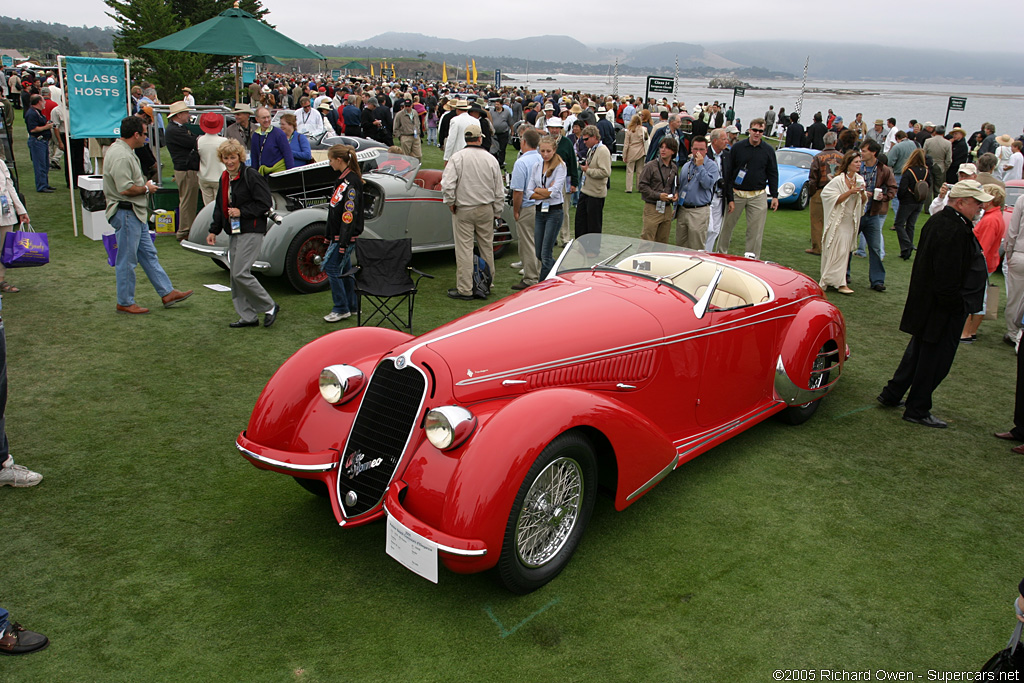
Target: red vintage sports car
{"type": "Point", "coordinates": [484, 441]}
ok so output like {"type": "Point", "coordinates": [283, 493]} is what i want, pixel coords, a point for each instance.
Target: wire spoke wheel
{"type": "Point", "coordinates": [549, 512]}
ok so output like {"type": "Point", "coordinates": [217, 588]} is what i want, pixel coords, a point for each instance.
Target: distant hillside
{"type": "Point", "coordinates": [553, 48]}
{"type": "Point", "coordinates": [858, 62]}
{"type": "Point", "coordinates": [40, 36]}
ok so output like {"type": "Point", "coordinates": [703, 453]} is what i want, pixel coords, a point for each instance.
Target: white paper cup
{"type": "Point", "coordinates": [878, 194]}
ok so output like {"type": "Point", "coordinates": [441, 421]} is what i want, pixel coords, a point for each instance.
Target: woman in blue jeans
{"type": "Point", "coordinates": [546, 186]}
{"type": "Point", "coordinates": [344, 224]}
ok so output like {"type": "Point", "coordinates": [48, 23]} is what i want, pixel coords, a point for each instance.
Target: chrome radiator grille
{"type": "Point", "coordinates": [386, 418]}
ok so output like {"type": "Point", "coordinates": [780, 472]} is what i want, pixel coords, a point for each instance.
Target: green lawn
{"type": "Point", "coordinates": [153, 552]}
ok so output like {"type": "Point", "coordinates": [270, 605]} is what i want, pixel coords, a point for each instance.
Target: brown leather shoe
{"type": "Point", "coordinates": [1009, 436]}
{"type": "Point", "coordinates": [134, 309]}
{"type": "Point", "coordinates": [1019, 450]}
{"type": "Point", "coordinates": [812, 251]}
{"type": "Point", "coordinates": [17, 640]}
{"type": "Point", "coordinates": [174, 296]}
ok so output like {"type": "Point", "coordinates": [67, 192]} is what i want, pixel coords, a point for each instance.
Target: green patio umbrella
{"type": "Point", "coordinates": [234, 32]}
{"type": "Point", "coordinates": [354, 65]}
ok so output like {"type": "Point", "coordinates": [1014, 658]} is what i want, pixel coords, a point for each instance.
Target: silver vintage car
{"type": "Point", "coordinates": [401, 200]}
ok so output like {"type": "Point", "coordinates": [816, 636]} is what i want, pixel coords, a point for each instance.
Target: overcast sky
{"type": "Point", "coordinates": [944, 25]}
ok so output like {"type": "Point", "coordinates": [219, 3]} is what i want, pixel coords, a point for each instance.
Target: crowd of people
{"type": "Point", "coordinates": [693, 169]}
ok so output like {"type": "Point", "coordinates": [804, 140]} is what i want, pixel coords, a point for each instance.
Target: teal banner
{"type": "Point", "coordinates": [7, 60]}
{"type": "Point", "coordinates": [248, 72]}
{"type": "Point", "coordinates": [335, 74]}
{"type": "Point", "coordinates": [97, 96]}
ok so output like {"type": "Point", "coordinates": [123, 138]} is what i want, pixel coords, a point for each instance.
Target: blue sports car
{"type": "Point", "coordinates": [794, 168]}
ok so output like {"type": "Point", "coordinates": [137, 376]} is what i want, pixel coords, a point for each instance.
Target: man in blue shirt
{"type": "Point", "coordinates": [695, 190]}
{"type": "Point", "coordinates": [39, 142]}
{"type": "Point", "coordinates": [523, 208]}
{"type": "Point", "coordinates": [270, 151]}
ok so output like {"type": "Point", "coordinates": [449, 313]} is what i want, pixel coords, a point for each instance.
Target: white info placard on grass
{"type": "Point", "coordinates": [412, 550]}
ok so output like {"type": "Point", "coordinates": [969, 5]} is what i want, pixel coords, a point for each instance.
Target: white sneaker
{"type": "Point", "coordinates": [522, 271]}
{"type": "Point", "coordinates": [333, 317]}
{"type": "Point", "coordinates": [17, 475]}
{"type": "Point", "coordinates": [517, 264]}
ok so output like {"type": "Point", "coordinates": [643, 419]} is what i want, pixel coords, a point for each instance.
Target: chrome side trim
{"type": "Point", "coordinates": [685, 446]}
{"type": "Point", "coordinates": [261, 265]}
{"type": "Point", "coordinates": [638, 346]}
{"type": "Point", "coordinates": [327, 467]}
{"type": "Point", "coordinates": [654, 480]}
{"type": "Point", "coordinates": [795, 395]}
{"type": "Point", "coordinates": [445, 548]}
{"type": "Point", "coordinates": [203, 249]}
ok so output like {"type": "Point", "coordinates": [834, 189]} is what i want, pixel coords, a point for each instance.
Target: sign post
{"type": "Point", "coordinates": [659, 85]}
{"type": "Point", "coordinates": [248, 72]}
{"type": "Point", "coordinates": [98, 98]}
{"type": "Point", "coordinates": [955, 104]}
{"type": "Point", "coordinates": [497, 79]}
{"type": "Point", "coordinates": [737, 92]}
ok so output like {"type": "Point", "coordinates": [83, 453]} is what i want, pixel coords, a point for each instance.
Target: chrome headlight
{"type": "Point", "coordinates": [448, 427]}
{"type": "Point", "coordinates": [786, 190]}
{"type": "Point", "coordinates": [340, 383]}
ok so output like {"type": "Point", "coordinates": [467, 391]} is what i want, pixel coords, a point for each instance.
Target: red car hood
{"type": "Point", "coordinates": [542, 327]}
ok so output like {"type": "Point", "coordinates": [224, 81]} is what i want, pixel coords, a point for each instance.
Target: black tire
{"type": "Point", "coordinates": [220, 264]}
{"type": "Point", "coordinates": [300, 266]}
{"type": "Point", "coordinates": [314, 486]}
{"type": "Point", "coordinates": [501, 244]}
{"type": "Point", "coordinates": [805, 199]}
{"type": "Point", "coordinates": [524, 566]}
{"type": "Point", "coordinates": [797, 415]}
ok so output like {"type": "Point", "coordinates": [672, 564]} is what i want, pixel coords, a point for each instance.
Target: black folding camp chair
{"type": "Point", "coordinates": [384, 279]}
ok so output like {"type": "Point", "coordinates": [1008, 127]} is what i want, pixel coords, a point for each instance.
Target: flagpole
{"type": "Point", "coordinates": [615, 83]}
{"type": "Point", "coordinates": [675, 83]}
{"type": "Point", "coordinates": [67, 145]}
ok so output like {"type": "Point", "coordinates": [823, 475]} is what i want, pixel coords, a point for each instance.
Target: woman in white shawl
{"type": "Point", "coordinates": [843, 200]}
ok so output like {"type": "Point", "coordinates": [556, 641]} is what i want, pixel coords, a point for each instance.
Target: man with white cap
{"type": "Point", "coordinates": [947, 282]}
{"type": "Point", "coordinates": [965, 172]}
{"type": "Point", "coordinates": [472, 189]}
{"type": "Point", "coordinates": [456, 139]}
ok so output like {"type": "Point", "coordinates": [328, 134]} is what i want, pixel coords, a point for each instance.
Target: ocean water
{"type": "Point", "coordinates": [1003, 106]}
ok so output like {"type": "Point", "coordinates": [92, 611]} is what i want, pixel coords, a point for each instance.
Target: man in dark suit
{"type": "Point", "coordinates": [946, 284]}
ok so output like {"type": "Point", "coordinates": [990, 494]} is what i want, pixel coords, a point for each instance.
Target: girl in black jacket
{"type": "Point", "coordinates": [344, 224]}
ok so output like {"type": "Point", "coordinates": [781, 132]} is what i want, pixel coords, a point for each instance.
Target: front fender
{"type": "Point", "coordinates": [469, 492]}
{"type": "Point", "coordinates": [290, 415]}
{"type": "Point", "coordinates": [279, 237]}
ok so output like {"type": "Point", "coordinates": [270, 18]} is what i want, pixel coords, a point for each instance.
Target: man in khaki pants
{"type": "Point", "coordinates": [658, 189]}
{"type": "Point", "coordinates": [472, 188]}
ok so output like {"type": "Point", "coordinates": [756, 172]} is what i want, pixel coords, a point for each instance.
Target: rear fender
{"type": "Point", "coordinates": [487, 471]}
{"type": "Point", "coordinates": [816, 324]}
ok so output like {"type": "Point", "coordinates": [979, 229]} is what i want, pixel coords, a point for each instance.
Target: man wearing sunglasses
{"type": "Point", "coordinates": [753, 166]}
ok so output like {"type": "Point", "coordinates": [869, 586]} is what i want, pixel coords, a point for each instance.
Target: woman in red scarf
{"type": "Point", "coordinates": [240, 210]}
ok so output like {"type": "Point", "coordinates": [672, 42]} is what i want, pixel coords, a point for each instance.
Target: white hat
{"type": "Point", "coordinates": [969, 188]}
{"type": "Point", "coordinates": [552, 122]}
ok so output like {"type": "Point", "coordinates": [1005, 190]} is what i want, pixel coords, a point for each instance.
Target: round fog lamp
{"type": "Point", "coordinates": [787, 189]}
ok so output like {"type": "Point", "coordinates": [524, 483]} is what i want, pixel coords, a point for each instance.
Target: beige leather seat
{"type": "Point", "coordinates": [735, 288]}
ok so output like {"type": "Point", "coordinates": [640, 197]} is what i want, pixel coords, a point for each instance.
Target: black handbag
{"type": "Point", "coordinates": [1010, 659]}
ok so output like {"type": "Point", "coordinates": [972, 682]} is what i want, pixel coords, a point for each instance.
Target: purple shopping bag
{"type": "Point", "coordinates": [25, 248]}
{"type": "Point", "coordinates": [110, 244]}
